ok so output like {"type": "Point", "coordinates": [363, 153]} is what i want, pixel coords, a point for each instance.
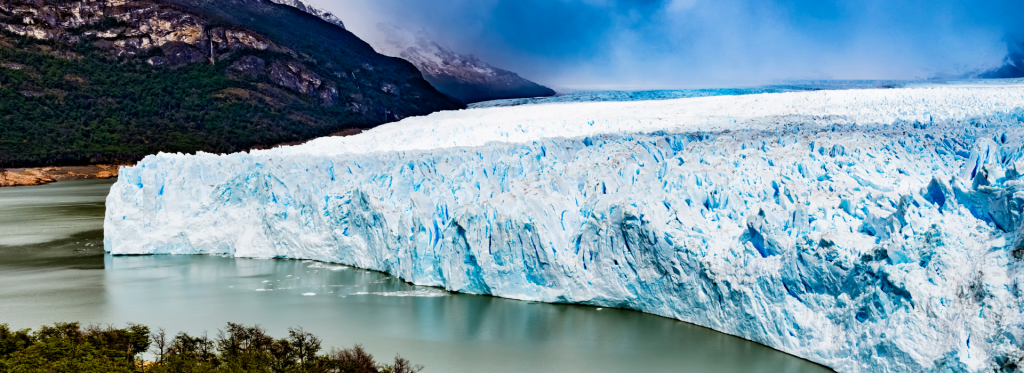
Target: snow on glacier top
{"type": "Point", "coordinates": [524, 124]}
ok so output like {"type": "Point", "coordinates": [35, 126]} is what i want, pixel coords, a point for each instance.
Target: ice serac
{"type": "Point", "coordinates": [867, 230]}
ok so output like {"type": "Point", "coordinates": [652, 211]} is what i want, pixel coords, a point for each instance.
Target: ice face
{"type": "Point", "coordinates": [870, 230]}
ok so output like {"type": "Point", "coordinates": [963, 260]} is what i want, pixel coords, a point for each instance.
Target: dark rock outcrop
{"type": "Point", "coordinates": [294, 76]}
{"type": "Point", "coordinates": [248, 67]}
{"type": "Point", "coordinates": [178, 53]}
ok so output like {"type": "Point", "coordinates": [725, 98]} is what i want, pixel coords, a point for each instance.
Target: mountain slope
{"type": "Point", "coordinates": [86, 81]}
{"type": "Point", "coordinates": [464, 77]}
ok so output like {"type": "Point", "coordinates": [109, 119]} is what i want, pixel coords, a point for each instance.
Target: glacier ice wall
{"type": "Point", "coordinates": [870, 231]}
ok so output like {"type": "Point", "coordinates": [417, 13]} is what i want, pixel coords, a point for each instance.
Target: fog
{"type": "Point", "coordinates": [648, 44]}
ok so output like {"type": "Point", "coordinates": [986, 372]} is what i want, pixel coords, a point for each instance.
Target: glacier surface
{"type": "Point", "coordinates": [867, 230]}
{"type": "Point", "coordinates": [670, 94]}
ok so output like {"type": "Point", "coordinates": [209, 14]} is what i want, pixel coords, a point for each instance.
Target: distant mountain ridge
{"type": "Point", "coordinates": [322, 14]}
{"type": "Point", "coordinates": [1013, 64]}
{"type": "Point", "coordinates": [464, 77]}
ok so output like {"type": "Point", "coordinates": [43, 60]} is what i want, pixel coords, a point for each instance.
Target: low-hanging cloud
{"type": "Point", "coordinates": [696, 43]}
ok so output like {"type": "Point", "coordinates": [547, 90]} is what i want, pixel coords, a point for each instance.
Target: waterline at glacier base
{"type": "Point", "coordinates": [866, 230]}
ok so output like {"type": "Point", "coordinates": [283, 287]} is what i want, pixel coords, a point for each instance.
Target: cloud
{"type": "Point", "coordinates": [680, 5]}
{"type": "Point", "coordinates": [685, 43]}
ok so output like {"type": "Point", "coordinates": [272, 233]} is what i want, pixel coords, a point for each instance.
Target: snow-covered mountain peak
{"type": "Point", "coordinates": [462, 76]}
{"type": "Point", "coordinates": [433, 58]}
{"type": "Point", "coordinates": [322, 14]}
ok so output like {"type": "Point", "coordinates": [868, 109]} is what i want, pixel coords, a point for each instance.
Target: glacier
{"type": "Point", "coordinates": [875, 230]}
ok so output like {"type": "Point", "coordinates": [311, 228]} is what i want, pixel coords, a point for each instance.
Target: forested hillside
{"type": "Point", "coordinates": [98, 81]}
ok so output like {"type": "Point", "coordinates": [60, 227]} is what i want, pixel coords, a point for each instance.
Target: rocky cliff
{"type": "Point", "coordinates": [218, 75]}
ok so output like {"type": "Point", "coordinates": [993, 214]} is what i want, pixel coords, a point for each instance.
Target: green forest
{"type": "Point", "coordinates": [70, 347]}
{"type": "Point", "coordinates": [65, 104]}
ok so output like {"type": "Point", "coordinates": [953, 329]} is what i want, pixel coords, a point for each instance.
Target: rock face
{"type": "Point", "coordinates": [294, 76]}
{"type": "Point", "coordinates": [145, 25]}
{"type": "Point", "coordinates": [249, 66]}
{"type": "Point", "coordinates": [182, 37]}
{"type": "Point", "coordinates": [466, 78]}
{"type": "Point", "coordinates": [24, 178]}
{"type": "Point", "coordinates": [867, 230]}
{"type": "Point", "coordinates": [46, 175]}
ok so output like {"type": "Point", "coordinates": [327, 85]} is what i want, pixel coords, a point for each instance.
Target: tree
{"type": "Point", "coordinates": [306, 345]}
{"type": "Point", "coordinates": [67, 347]}
{"type": "Point", "coordinates": [402, 365]}
{"type": "Point", "coordinates": [160, 344]}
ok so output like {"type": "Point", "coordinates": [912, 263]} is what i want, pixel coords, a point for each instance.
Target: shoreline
{"type": "Point", "coordinates": [47, 175]}
{"type": "Point", "coordinates": [30, 176]}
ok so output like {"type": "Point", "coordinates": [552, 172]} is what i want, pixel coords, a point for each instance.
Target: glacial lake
{"type": "Point", "coordinates": [53, 268]}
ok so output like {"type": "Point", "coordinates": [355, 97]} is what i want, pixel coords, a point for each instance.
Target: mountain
{"type": "Point", "coordinates": [103, 80]}
{"type": "Point", "coordinates": [464, 77]}
{"type": "Point", "coordinates": [322, 14]}
{"type": "Point", "coordinates": [869, 230]}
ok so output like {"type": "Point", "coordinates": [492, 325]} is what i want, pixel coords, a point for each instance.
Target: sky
{"type": "Point", "coordinates": [656, 44]}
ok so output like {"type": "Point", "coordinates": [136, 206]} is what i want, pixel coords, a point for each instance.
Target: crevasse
{"type": "Point", "coordinates": [867, 230]}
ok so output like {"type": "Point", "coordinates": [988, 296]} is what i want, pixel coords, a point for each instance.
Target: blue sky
{"type": "Point", "coordinates": [702, 43]}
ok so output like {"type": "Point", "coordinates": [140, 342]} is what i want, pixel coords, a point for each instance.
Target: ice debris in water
{"type": "Point", "coordinates": [407, 293]}
{"type": "Point", "coordinates": [332, 267]}
{"type": "Point", "coordinates": [867, 230]}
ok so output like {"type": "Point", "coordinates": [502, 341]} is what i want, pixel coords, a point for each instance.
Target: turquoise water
{"type": "Point", "coordinates": [52, 268]}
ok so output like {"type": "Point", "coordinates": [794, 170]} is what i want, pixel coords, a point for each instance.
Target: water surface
{"type": "Point", "coordinates": [52, 268]}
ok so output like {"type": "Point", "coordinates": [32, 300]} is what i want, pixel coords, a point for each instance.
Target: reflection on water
{"type": "Point", "coordinates": [57, 280]}
{"type": "Point", "coordinates": [39, 214]}
{"type": "Point", "coordinates": [51, 253]}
